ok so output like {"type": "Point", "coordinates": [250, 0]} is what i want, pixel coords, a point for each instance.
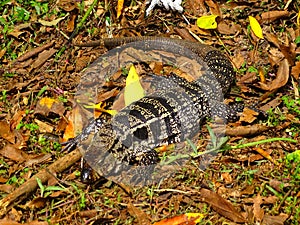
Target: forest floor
{"type": "Point", "coordinates": [253, 179]}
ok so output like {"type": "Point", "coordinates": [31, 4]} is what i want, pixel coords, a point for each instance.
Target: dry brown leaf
{"type": "Point", "coordinates": [248, 115]}
{"type": "Point", "coordinates": [6, 132]}
{"type": "Point", "coordinates": [249, 190]}
{"type": "Point", "coordinates": [272, 38]}
{"type": "Point", "coordinates": [35, 51]}
{"type": "Point", "coordinates": [248, 78]}
{"type": "Point", "coordinates": [270, 16]}
{"type": "Point", "coordinates": [196, 30]}
{"type": "Point", "coordinates": [288, 51]}
{"type": "Point", "coordinates": [2, 52]}
{"type": "Point", "coordinates": [277, 185]}
{"type": "Point", "coordinates": [16, 119]}
{"type": "Point", "coordinates": [275, 220]}
{"type": "Point", "coordinates": [140, 215]}
{"type": "Point", "coordinates": [214, 7]}
{"type": "Point", "coordinates": [3, 179]}
{"type": "Point", "coordinates": [7, 188]}
{"type": "Point", "coordinates": [88, 213]}
{"type": "Point", "coordinates": [246, 130]}
{"type": "Point", "coordinates": [257, 210]}
{"type": "Point", "coordinates": [281, 77]}
{"type": "Point", "coordinates": [37, 159]}
{"type": "Point", "coordinates": [222, 206]}
{"type": "Point", "coordinates": [275, 56]}
{"type": "Point", "coordinates": [9, 222]}
{"type": "Point", "coordinates": [10, 152]}
{"type": "Point", "coordinates": [37, 203]}
{"type": "Point", "coordinates": [43, 57]}
{"type": "Point", "coordinates": [45, 106]}
{"type": "Point", "coordinates": [44, 127]}
{"type": "Point", "coordinates": [71, 23]}
{"type": "Point", "coordinates": [119, 102]}
{"type": "Point", "coordinates": [226, 177]}
{"type": "Point", "coordinates": [184, 34]}
{"type": "Point", "coordinates": [108, 94]}
{"type": "Point", "coordinates": [67, 5]}
{"type": "Point", "coordinates": [270, 200]}
{"type": "Point", "coordinates": [261, 74]}
{"type": "Point", "coordinates": [195, 8]}
{"type": "Point", "coordinates": [16, 33]}
{"type": "Point", "coordinates": [296, 70]}
{"type": "Point", "coordinates": [225, 28]}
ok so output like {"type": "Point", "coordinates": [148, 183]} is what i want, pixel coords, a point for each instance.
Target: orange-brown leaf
{"type": "Point", "coordinates": [120, 8]}
{"type": "Point", "coordinates": [222, 206]}
{"type": "Point", "coordinates": [187, 219]}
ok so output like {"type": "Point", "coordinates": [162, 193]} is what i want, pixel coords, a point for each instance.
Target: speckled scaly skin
{"type": "Point", "coordinates": [170, 115]}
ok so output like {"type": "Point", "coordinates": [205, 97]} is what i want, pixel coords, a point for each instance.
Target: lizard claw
{"type": "Point", "coordinates": [70, 144]}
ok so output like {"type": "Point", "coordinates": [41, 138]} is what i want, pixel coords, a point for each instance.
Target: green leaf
{"type": "Point", "coordinates": [207, 22]}
{"type": "Point", "coordinates": [297, 40]}
{"type": "Point", "coordinates": [133, 89]}
{"type": "Point", "coordinates": [54, 188]}
{"type": "Point", "coordinates": [40, 184]}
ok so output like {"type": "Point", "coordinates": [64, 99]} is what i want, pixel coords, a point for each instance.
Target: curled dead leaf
{"type": "Point", "coordinates": [281, 79]}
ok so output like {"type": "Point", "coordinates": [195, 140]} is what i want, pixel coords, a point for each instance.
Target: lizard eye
{"type": "Point", "coordinates": [141, 133]}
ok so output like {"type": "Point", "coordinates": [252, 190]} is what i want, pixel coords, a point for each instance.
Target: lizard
{"type": "Point", "coordinates": [170, 115]}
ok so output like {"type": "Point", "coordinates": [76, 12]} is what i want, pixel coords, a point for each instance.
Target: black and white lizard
{"type": "Point", "coordinates": [170, 115]}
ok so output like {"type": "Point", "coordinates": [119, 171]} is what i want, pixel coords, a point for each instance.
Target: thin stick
{"type": "Point", "coordinates": [31, 185]}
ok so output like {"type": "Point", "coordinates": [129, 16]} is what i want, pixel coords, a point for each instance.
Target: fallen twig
{"type": "Point", "coordinates": [31, 185]}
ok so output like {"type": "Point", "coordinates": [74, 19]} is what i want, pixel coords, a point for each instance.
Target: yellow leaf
{"type": "Point", "coordinates": [48, 102]}
{"type": "Point", "coordinates": [199, 216]}
{"type": "Point", "coordinates": [255, 27]}
{"type": "Point", "coordinates": [133, 89]}
{"type": "Point", "coordinates": [94, 106]}
{"type": "Point", "coordinates": [99, 107]}
{"type": "Point", "coordinates": [119, 7]}
{"type": "Point", "coordinates": [110, 111]}
{"type": "Point", "coordinates": [298, 18]}
{"type": "Point", "coordinates": [207, 22]}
